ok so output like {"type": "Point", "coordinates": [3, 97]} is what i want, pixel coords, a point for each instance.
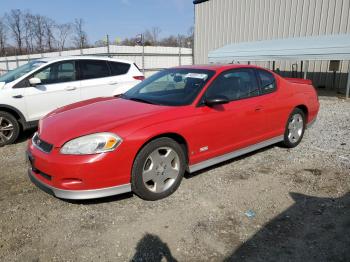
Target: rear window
{"type": "Point", "coordinates": [267, 80]}
{"type": "Point", "coordinates": [90, 69]}
{"type": "Point", "coordinates": [118, 68]}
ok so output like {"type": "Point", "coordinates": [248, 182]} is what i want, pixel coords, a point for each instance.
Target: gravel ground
{"type": "Point", "coordinates": [299, 201]}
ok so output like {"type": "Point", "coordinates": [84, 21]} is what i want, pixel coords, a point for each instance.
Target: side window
{"type": "Point", "coordinates": [118, 68]}
{"type": "Point", "coordinates": [235, 84]}
{"type": "Point", "coordinates": [57, 73]}
{"type": "Point", "coordinates": [90, 69]}
{"type": "Point", "coordinates": [268, 81]}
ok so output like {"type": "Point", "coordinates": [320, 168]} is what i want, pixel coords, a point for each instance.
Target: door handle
{"type": "Point", "coordinates": [70, 88]}
{"type": "Point", "coordinates": [113, 83]}
{"type": "Point", "coordinates": [17, 96]}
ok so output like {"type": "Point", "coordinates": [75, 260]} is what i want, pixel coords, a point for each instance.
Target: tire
{"type": "Point", "coordinates": [295, 128]}
{"type": "Point", "coordinates": [158, 169]}
{"type": "Point", "coordinates": [9, 128]}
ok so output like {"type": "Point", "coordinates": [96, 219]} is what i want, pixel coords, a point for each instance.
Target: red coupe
{"type": "Point", "coordinates": [180, 119]}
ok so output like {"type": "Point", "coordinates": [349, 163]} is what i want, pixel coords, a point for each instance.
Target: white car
{"type": "Point", "coordinates": [40, 86]}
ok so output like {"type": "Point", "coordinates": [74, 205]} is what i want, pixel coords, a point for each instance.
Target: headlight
{"type": "Point", "coordinates": [91, 144]}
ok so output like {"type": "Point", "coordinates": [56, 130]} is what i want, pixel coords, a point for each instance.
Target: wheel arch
{"type": "Point", "coordinates": [175, 136]}
{"type": "Point", "coordinates": [16, 113]}
{"type": "Point", "coordinates": [304, 108]}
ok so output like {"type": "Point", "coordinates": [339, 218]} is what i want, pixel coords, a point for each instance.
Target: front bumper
{"type": "Point", "coordinates": [78, 194]}
{"type": "Point", "coordinates": [80, 177]}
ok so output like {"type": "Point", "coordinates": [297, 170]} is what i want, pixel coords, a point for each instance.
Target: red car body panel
{"type": "Point", "coordinates": [221, 129]}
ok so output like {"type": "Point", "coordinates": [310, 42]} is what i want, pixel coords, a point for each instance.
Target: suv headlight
{"type": "Point", "coordinates": [91, 144]}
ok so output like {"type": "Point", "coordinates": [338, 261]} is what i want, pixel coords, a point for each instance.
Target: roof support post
{"type": "Point", "coordinates": [306, 68]}
{"type": "Point", "coordinates": [348, 85]}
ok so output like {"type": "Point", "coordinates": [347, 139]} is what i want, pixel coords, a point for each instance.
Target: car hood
{"type": "Point", "coordinates": [93, 116]}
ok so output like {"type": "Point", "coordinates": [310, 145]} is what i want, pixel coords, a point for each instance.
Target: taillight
{"type": "Point", "coordinates": [139, 78]}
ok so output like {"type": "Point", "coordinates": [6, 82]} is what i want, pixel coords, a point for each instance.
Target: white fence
{"type": "Point", "coordinates": [151, 59]}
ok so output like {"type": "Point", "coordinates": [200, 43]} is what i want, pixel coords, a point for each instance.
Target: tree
{"type": "Point", "coordinates": [80, 36]}
{"type": "Point", "coordinates": [3, 37]}
{"type": "Point", "coordinates": [152, 35]}
{"type": "Point", "coordinates": [29, 32]}
{"type": "Point", "coordinates": [16, 26]}
{"type": "Point", "coordinates": [49, 28]}
{"type": "Point", "coordinates": [169, 41]}
{"type": "Point", "coordinates": [39, 31]}
{"type": "Point", "coordinates": [64, 30]}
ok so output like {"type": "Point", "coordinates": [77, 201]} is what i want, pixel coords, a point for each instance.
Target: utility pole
{"type": "Point", "coordinates": [107, 40]}
{"type": "Point", "coordinates": [140, 40]}
{"type": "Point", "coordinates": [179, 42]}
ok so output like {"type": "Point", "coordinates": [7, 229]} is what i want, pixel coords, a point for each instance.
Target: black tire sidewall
{"type": "Point", "coordinates": [16, 127]}
{"type": "Point", "coordinates": [286, 141]}
{"type": "Point", "coordinates": [137, 184]}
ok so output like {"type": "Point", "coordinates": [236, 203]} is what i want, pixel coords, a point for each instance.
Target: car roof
{"type": "Point", "coordinates": [218, 67]}
{"type": "Point", "coordinates": [63, 58]}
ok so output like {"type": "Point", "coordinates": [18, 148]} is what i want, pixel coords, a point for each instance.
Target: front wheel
{"type": "Point", "coordinates": [295, 128]}
{"type": "Point", "coordinates": [9, 128]}
{"type": "Point", "coordinates": [158, 169]}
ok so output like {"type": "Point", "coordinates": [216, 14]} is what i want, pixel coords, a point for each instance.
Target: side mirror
{"type": "Point", "coordinates": [34, 81]}
{"type": "Point", "coordinates": [217, 100]}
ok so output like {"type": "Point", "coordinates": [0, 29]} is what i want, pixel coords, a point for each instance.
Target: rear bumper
{"type": "Point", "coordinates": [79, 194]}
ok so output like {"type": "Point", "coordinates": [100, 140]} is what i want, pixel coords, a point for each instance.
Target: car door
{"type": "Point", "coordinates": [276, 107]}
{"type": "Point", "coordinates": [59, 87]}
{"type": "Point", "coordinates": [226, 127]}
{"type": "Point", "coordinates": [122, 77]}
{"type": "Point", "coordinates": [96, 79]}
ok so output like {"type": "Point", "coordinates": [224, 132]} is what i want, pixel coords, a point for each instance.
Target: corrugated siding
{"type": "Point", "coordinates": [221, 22]}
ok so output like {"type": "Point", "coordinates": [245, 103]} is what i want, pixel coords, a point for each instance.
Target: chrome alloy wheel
{"type": "Point", "coordinates": [6, 129]}
{"type": "Point", "coordinates": [161, 169]}
{"type": "Point", "coordinates": [295, 128]}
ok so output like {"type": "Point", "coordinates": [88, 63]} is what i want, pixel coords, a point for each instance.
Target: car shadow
{"type": "Point", "coordinates": [152, 248]}
{"type": "Point", "coordinates": [25, 135]}
{"type": "Point", "coordinates": [312, 229]}
{"type": "Point", "coordinates": [230, 161]}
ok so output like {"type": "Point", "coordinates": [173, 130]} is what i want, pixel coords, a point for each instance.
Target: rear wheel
{"type": "Point", "coordinates": [9, 128]}
{"type": "Point", "coordinates": [295, 128]}
{"type": "Point", "coordinates": [158, 169]}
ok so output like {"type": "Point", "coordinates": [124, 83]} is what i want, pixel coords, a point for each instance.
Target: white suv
{"type": "Point", "coordinates": [40, 86]}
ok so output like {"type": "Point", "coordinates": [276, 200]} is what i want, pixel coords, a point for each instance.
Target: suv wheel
{"type": "Point", "coordinates": [9, 128]}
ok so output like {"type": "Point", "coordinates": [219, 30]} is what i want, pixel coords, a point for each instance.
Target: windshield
{"type": "Point", "coordinates": [171, 87]}
{"type": "Point", "coordinates": [20, 71]}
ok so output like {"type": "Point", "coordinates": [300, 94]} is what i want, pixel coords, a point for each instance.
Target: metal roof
{"type": "Point", "coordinates": [326, 47]}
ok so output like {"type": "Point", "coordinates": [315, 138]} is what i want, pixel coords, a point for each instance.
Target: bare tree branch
{"type": "Point", "coordinates": [80, 36]}
{"type": "Point", "coordinates": [16, 25]}
{"type": "Point", "coordinates": [3, 37]}
{"type": "Point", "coordinates": [49, 27]}
{"type": "Point", "coordinates": [64, 30]}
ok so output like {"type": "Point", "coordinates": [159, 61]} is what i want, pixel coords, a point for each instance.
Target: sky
{"type": "Point", "coordinates": [118, 18]}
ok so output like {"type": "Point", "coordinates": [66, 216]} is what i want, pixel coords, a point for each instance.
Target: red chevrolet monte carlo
{"type": "Point", "coordinates": [180, 119]}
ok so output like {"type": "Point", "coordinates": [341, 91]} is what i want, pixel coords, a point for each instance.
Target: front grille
{"type": "Point", "coordinates": [41, 144]}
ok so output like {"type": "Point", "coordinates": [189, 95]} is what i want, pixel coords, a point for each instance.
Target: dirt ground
{"type": "Point", "coordinates": [299, 200]}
